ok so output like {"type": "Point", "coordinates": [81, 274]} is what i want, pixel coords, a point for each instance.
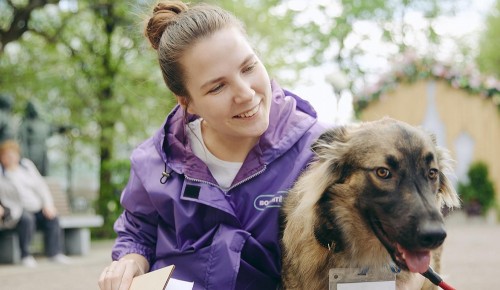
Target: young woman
{"type": "Point", "coordinates": [204, 192]}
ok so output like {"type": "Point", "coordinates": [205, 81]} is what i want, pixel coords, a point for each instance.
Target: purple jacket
{"type": "Point", "coordinates": [218, 240]}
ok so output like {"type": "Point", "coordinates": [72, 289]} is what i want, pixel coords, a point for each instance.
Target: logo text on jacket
{"type": "Point", "coordinates": [265, 201]}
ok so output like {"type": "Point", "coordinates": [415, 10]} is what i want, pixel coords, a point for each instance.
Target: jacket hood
{"type": "Point", "coordinates": [290, 117]}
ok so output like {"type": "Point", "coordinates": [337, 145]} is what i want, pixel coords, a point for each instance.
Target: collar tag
{"type": "Point", "coordinates": [361, 279]}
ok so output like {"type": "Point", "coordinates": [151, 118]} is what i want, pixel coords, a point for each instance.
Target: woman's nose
{"type": "Point", "coordinates": [244, 93]}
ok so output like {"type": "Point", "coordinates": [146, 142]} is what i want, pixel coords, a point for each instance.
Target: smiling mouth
{"type": "Point", "coordinates": [416, 261]}
{"type": "Point", "coordinates": [248, 114]}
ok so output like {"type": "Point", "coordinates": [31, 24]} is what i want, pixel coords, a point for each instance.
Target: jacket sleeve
{"type": "Point", "coordinates": [137, 225]}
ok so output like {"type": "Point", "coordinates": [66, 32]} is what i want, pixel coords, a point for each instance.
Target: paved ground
{"type": "Point", "coordinates": [471, 261]}
{"type": "Point", "coordinates": [471, 254]}
{"type": "Point", "coordinates": [81, 275]}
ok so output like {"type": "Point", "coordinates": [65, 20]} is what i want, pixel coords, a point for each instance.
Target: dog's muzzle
{"type": "Point", "coordinates": [429, 236]}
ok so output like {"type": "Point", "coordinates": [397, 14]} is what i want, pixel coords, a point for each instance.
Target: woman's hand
{"type": "Point", "coordinates": [49, 212]}
{"type": "Point", "coordinates": [119, 275]}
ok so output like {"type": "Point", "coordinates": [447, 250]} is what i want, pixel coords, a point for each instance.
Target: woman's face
{"type": "Point", "coordinates": [9, 158]}
{"type": "Point", "coordinates": [229, 87]}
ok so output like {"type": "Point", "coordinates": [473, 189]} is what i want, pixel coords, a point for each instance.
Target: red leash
{"type": "Point", "coordinates": [436, 280]}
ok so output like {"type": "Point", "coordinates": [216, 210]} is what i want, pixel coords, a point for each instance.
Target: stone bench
{"type": "Point", "coordinates": [75, 227]}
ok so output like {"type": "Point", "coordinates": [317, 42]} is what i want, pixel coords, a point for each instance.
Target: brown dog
{"type": "Point", "coordinates": [372, 198]}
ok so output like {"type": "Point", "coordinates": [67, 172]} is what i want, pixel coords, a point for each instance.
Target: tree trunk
{"type": "Point", "coordinates": [108, 194]}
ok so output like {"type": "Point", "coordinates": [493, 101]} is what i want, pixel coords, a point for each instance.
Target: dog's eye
{"type": "Point", "coordinates": [433, 173]}
{"type": "Point", "coordinates": [383, 172]}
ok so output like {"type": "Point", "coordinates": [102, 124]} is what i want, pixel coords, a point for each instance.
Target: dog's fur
{"type": "Point", "coordinates": [372, 186]}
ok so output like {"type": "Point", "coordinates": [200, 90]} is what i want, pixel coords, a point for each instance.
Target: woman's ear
{"type": "Point", "coordinates": [184, 103]}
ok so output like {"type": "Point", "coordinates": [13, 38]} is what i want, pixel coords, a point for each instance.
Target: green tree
{"type": "Point", "coordinates": [330, 36]}
{"type": "Point", "coordinates": [16, 16]}
{"type": "Point", "coordinates": [489, 45]}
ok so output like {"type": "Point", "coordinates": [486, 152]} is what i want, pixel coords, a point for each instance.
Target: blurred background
{"type": "Point", "coordinates": [85, 71]}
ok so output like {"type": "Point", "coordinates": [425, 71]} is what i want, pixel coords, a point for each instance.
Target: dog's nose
{"type": "Point", "coordinates": [431, 235]}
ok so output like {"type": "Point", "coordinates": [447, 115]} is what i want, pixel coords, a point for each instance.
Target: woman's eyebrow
{"type": "Point", "coordinates": [218, 79]}
{"type": "Point", "coordinates": [210, 82]}
{"type": "Point", "coordinates": [248, 59]}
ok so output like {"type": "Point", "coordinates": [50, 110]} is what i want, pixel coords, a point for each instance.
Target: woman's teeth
{"type": "Point", "coordinates": [249, 114]}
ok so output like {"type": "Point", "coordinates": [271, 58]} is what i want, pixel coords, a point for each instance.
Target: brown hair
{"type": "Point", "coordinates": [9, 145]}
{"type": "Point", "coordinates": [174, 27]}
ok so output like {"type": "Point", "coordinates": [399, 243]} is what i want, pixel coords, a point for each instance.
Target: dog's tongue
{"type": "Point", "coordinates": [417, 261]}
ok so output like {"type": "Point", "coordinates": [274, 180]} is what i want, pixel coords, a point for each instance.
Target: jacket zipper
{"type": "Point", "coordinates": [250, 177]}
{"type": "Point", "coordinates": [200, 181]}
{"type": "Point", "coordinates": [216, 185]}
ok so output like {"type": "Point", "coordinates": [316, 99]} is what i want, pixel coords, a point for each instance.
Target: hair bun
{"type": "Point", "coordinates": [163, 15]}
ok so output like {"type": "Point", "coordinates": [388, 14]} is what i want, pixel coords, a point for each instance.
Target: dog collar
{"type": "Point", "coordinates": [330, 245]}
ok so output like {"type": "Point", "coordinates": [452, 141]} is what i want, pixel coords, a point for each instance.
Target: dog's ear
{"type": "Point", "coordinates": [327, 140]}
{"type": "Point", "coordinates": [331, 151]}
{"type": "Point", "coordinates": [447, 192]}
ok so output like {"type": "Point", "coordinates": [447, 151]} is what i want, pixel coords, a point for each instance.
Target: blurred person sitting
{"type": "Point", "coordinates": [38, 205]}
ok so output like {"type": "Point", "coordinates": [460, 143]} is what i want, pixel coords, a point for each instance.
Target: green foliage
{"type": "Point", "coordinates": [479, 189]}
{"type": "Point", "coordinates": [330, 34]}
{"type": "Point", "coordinates": [489, 48]}
{"type": "Point", "coordinates": [108, 205]}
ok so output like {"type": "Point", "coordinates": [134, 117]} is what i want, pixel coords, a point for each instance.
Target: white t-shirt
{"type": "Point", "coordinates": [223, 171]}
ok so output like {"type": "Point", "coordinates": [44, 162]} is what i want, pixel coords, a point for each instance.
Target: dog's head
{"type": "Point", "coordinates": [395, 175]}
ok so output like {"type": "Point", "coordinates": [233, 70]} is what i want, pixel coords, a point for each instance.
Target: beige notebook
{"type": "Point", "coordinates": [155, 280]}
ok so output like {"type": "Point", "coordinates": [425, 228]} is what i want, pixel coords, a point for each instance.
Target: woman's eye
{"type": "Point", "coordinates": [433, 173]}
{"type": "Point", "coordinates": [383, 172]}
{"type": "Point", "coordinates": [216, 89]}
{"type": "Point", "coordinates": [249, 68]}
